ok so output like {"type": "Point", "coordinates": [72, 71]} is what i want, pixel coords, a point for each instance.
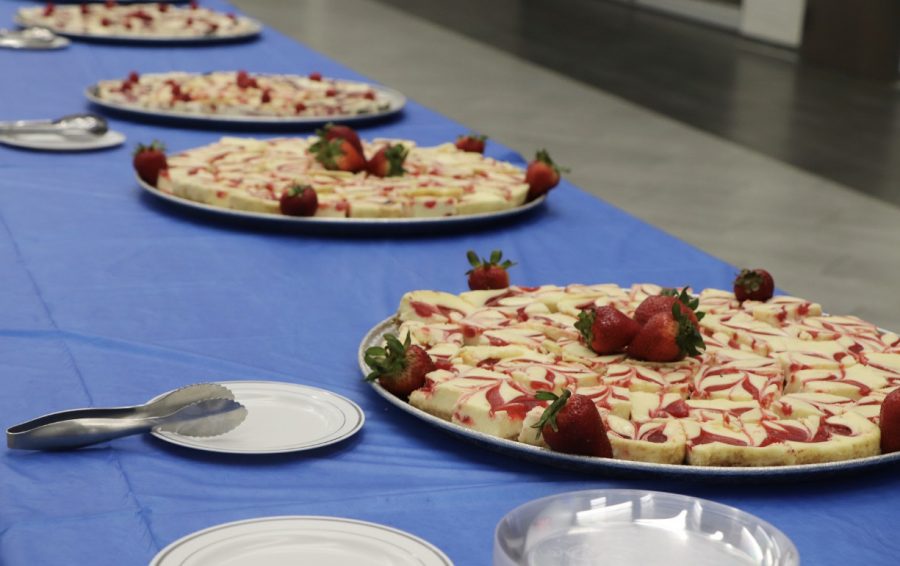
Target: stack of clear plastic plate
{"type": "Point", "coordinates": [637, 528]}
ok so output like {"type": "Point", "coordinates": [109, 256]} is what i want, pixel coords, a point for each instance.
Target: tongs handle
{"type": "Point", "coordinates": [76, 428]}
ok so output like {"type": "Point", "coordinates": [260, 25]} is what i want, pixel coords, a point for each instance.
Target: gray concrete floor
{"type": "Point", "coordinates": [820, 239]}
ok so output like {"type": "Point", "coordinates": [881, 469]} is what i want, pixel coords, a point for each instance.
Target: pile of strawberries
{"type": "Point", "coordinates": [665, 328]}
{"type": "Point", "coordinates": [340, 149]}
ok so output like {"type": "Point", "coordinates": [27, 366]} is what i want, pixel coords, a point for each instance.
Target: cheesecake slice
{"type": "Point", "coordinates": [498, 410]}
{"type": "Point", "coordinates": [659, 442]}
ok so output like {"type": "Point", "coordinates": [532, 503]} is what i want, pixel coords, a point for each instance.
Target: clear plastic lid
{"type": "Point", "coordinates": [640, 528]}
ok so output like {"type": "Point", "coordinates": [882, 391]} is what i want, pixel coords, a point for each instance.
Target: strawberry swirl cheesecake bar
{"type": "Point", "coordinates": [238, 93]}
{"type": "Point", "coordinates": [251, 175]}
{"type": "Point", "coordinates": [148, 21]}
{"type": "Point", "coordinates": [779, 383]}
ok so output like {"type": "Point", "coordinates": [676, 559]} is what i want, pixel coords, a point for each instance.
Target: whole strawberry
{"type": "Point", "coordinates": [399, 367]}
{"type": "Point", "coordinates": [338, 155]}
{"type": "Point", "coordinates": [572, 424]}
{"type": "Point", "coordinates": [333, 132]}
{"type": "Point", "coordinates": [388, 161]}
{"type": "Point", "coordinates": [244, 80]}
{"type": "Point", "coordinates": [488, 273]}
{"type": "Point", "coordinates": [149, 160]}
{"type": "Point", "coordinates": [663, 303]}
{"type": "Point", "coordinates": [890, 423]}
{"type": "Point", "coordinates": [667, 337]}
{"type": "Point", "coordinates": [754, 285]}
{"type": "Point", "coordinates": [471, 142]}
{"type": "Point", "coordinates": [542, 175]}
{"type": "Point", "coordinates": [299, 200]}
{"type": "Point", "coordinates": [606, 330]}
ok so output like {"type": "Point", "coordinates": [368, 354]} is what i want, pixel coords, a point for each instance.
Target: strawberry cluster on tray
{"type": "Point", "coordinates": [339, 175]}
{"type": "Point", "coordinates": [648, 374]}
{"type": "Point", "coordinates": [239, 93]}
{"type": "Point", "coordinates": [150, 20]}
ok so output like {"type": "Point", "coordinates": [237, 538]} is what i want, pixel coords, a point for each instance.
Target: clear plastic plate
{"type": "Point", "coordinates": [636, 528]}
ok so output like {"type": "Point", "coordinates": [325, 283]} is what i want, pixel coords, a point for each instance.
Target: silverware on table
{"type": "Point", "coordinates": [72, 125]}
{"type": "Point", "coordinates": [206, 409]}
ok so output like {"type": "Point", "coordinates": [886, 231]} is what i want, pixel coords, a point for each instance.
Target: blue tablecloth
{"type": "Point", "coordinates": [110, 297]}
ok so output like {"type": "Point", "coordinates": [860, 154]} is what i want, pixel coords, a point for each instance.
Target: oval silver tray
{"type": "Point", "coordinates": [256, 29]}
{"type": "Point", "coordinates": [396, 102]}
{"type": "Point", "coordinates": [339, 224]}
{"type": "Point", "coordinates": [606, 466]}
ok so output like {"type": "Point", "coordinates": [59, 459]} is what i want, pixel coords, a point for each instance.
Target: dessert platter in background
{"type": "Point", "coordinates": [154, 23]}
{"type": "Point", "coordinates": [678, 385]}
{"type": "Point", "coordinates": [336, 179]}
{"type": "Point", "coordinates": [238, 97]}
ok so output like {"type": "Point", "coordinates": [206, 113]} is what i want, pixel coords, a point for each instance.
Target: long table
{"type": "Point", "coordinates": [110, 297]}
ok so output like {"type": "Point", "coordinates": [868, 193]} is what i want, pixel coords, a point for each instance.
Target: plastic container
{"type": "Point", "coordinates": [640, 528]}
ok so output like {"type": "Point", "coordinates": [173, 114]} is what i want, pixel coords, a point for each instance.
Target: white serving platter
{"type": "Point", "coordinates": [607, 466]}
{"type": "Point", "coordinates": [339, 225]}
{"type": "Point", "coordinates": [394, 99]}
{"type": "Point", "coordinates": [254, 29]}
{"type": "Point", "coordinates": [281, 417]}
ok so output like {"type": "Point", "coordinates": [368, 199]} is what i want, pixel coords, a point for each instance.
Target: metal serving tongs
{"type": "Point", "coordinates": [32, 38]}
{"type": "Point", "coordinates": [84, 124]}
{"type": "Point", "coordinates": [205, 409]}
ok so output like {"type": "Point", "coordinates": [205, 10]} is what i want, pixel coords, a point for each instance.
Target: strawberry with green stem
{"type": "Point", "coordinates": [488, 273]}
{"type": "Point", "coordinates": [572, 424]}
{"type": "Point", "coordinates": [244, 80]}
{"type": "Point", "coordinates": [754, 285]}
{"type": "Point", "coordinates": [542, 175]}
{"type": "Point", "coordinates": [606, 330]}
{"type": "Point", "coordinates": [332, 131]}
{"type": "Point", "coordinates": [663, 302]}
{"type": "Point", "coordinates": [149, 160]}
{"type": "Point", "coordinates": [388, 161]}
{"type": "Point", "coordinates": [338, 153]}
{"type": "Point", "coordinates": [668, 336]}
{"type": "Point", "coordinates": [472, 143]}
{"type": "Point", "coordinates": [399, 367]}
{"type": "Point", "coordinates": [889, 422]}
{"type": "Point", "coordinates": [299, 200]}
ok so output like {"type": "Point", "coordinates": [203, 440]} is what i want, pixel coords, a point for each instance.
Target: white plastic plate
{"type": "Point", "coordinates": [299, 540]}
{"type": "Point", "coordinates": [57, 142]}
{"type": "Point", "coordinates": [281, 417]}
